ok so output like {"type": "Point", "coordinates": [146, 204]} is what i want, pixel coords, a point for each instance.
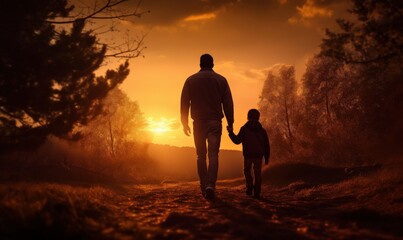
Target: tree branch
{"type": "Point", "coordinates": [108, 6]}
{"type": "Point", "coordinates": [129, 51]}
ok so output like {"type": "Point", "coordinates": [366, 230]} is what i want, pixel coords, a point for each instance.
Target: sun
{"type": "Point", "coordinates": [159, 126]}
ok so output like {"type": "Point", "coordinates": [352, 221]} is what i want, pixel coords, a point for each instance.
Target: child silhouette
{"type": "Point", "coordinates": [255, 146]}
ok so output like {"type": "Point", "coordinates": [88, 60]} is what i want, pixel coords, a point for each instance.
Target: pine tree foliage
{"type": "Point", "coordinates": [47, 80]}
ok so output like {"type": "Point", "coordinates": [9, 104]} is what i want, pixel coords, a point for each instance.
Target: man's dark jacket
{"type": "Point", "coordinates": [254, 139]}
{"type": "Point", "coordinates": [207, 94]}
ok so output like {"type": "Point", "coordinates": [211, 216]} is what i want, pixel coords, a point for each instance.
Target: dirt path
{"type": "Point", "coordinates": [367, 207]}
{"type": "Point", "coordinates": [177, 211]}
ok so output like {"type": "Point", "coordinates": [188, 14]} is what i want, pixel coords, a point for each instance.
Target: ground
{"type": "Point", "coordinates": [345, 209]}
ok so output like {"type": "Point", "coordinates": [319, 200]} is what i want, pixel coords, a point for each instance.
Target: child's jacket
{"type": "Point", "coordinates": [254, 139]}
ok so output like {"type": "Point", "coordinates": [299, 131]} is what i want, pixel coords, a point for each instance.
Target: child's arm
{"type": "Point", "coordinates": [266, 148]}
{"type": "Point", "coordinates": [237, 139]}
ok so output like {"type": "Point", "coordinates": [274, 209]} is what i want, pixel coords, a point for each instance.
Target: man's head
{"type": "Point", "coordinates": [253, 114]}
{"type": "Point", "coordinates": [206, 61]}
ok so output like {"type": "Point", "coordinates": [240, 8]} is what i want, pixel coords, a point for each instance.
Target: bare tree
{"type": "Point", "coordinates": [277, 105]}
{"type": "Point", "coordinates": [105, 17]}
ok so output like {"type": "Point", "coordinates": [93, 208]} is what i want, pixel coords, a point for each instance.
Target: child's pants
{"type": "Point", "coordinates": [257, 172]}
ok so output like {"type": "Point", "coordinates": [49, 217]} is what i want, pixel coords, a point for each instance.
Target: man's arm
{"type": "Point", "coordinates": [228, 105]}
{"type": "Point", "coordinates": [185, 105]}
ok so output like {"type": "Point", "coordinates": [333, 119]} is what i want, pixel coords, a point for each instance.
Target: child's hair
{"type": "Point", "coordinates": [253, 114]}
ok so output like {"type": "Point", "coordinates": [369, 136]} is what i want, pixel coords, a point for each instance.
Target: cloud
{"type": "Point", "coordinates": [195, 20]}
{"type": "Point", "coordinates": [200, 17]}
{"type": "Point", "coordinates": [164, 13]}
{"type": "Point", "coordinates": [310, 10]}
{"type": "Point", "coordinates": [241, 73]}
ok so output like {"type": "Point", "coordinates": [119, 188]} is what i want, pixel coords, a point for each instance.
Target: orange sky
{"type": "Point", "coordinates": [245, 37]}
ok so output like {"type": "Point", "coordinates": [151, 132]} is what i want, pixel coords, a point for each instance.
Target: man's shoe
{"type": "Point", "coordinates": [209, 193]}
{"type": "Point", "coordinates": [256, 196]}
{"type": "Point", "coordinates": [249, 191]}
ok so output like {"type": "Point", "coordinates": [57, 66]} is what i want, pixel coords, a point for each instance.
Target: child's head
{"type": "Point", "coordinates": [253, 114]}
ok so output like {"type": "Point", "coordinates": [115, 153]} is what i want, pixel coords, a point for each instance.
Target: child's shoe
{"type": "Point", "coordinates": [256, 193]}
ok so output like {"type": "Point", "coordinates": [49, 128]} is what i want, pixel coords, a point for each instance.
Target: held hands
{"type": "Point", "coordinates": [186, 130]}
{"type": "Point", "coordinates": [230, 129]}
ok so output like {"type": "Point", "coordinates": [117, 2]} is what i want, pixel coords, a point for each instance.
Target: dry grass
{"type": "Point", "coordinates": [381, 191]}
{"type": "Point", "coordinates": [57, 211]}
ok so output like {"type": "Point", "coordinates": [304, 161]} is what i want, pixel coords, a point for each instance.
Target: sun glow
{"type": "Point", "coordinates": [160, 126]}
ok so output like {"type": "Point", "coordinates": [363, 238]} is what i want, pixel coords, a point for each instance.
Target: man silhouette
{"type": "Point", "coordinates": [207, 94]}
